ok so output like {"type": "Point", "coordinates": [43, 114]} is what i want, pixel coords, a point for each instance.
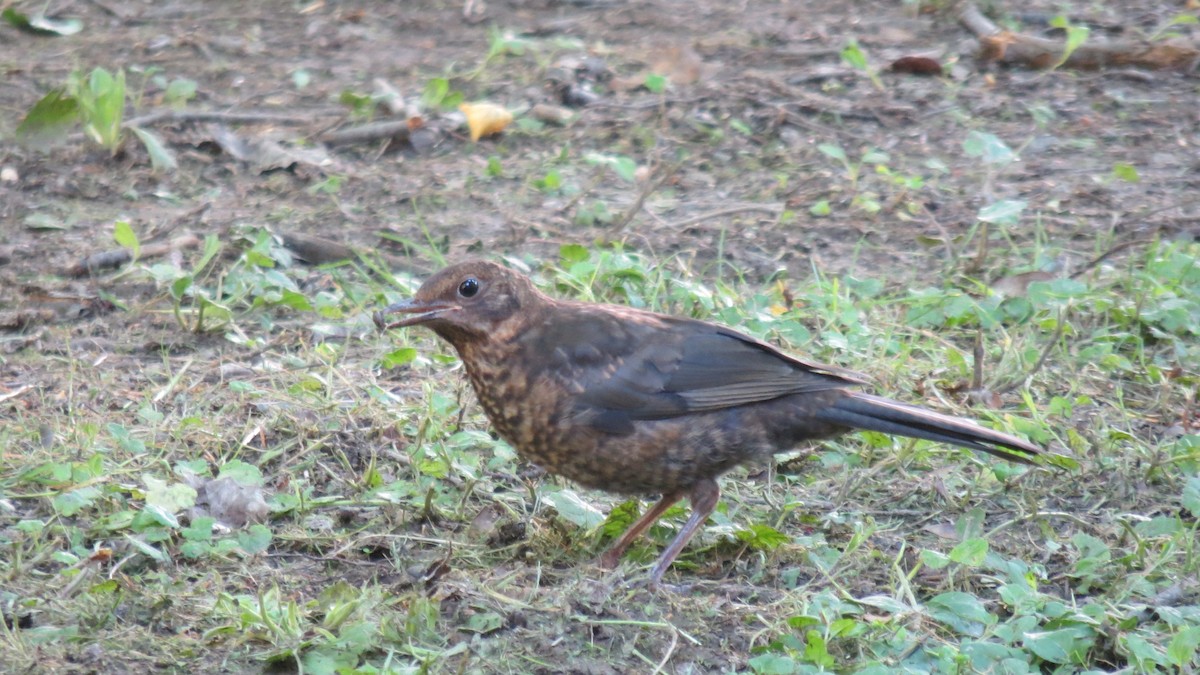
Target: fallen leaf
{"type": "Point", "coordinates": [680, 63]}
{"type": "Point", "coordinates": [916, 65]}
{"type": "Point", "coordinates": [485, 119]}
{"type": "Point", "coordinates": [1016, 285]}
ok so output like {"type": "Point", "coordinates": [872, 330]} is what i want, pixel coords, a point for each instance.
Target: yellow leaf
{"type": "Point", "coordinates": [485, 119]}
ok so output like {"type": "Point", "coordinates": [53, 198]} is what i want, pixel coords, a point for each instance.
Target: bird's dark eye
{"type": "Point", "coordinates": [469, 287]}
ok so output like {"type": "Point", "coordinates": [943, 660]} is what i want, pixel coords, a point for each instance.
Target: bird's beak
{"type": "Point", "coordinates": [420, 312]}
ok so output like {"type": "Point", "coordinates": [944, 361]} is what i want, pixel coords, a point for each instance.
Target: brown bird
{"type": "Point", "coordinates": [630, 401]}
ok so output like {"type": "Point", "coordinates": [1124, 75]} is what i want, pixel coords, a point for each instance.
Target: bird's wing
{"type": "Point", "coordinates": [666, 367]}
{"type": "Point", "coordinates": [725, 368]}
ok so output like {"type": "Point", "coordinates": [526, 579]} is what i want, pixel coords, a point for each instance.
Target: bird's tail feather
{"type": "Point", "coordinates": [875, 413]}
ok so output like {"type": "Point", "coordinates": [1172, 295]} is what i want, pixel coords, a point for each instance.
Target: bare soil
{"type": "Point", "coordinates": [729, 173]}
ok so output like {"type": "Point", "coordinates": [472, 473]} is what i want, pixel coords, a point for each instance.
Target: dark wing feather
{"type": "Point", "coordinates": [669, 367]}
{"type": "Point", "coordinates": [721, 368]}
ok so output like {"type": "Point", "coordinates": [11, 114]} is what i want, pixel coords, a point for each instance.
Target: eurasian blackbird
{"type": "Point", "coordinates": [631, 401]}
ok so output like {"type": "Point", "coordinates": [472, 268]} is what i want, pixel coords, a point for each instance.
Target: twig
{"type": "Point", "coordinates": [996, 44]}
{"type": "Point", "coordinates": [15, 392]}
{"type": "Point", "coordinates": [651, 185]}
{"type": "Point", "coordinates": [670, 651]}
{"type": "Point", "coordinates": [1108, 254]}
{"type": "Point", "coordinates": [1058, 331]}
{"type": "Point", "coordinates": [118, 257]}
{"type": "Point", "coordinates": [977, 370]}
{"type": "Point", "coordinates": [228, 117]}
{"type": "Point", "coordinates": [368, 133]}
{"type": "Point", "coordinates": [593, 181]}
{"type": "Point", "coordinates": [744, 208]}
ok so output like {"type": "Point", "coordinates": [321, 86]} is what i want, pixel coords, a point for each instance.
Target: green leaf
{"type": "Point", "coordinates": [626, 168]}
{"type": "Point", "coordinates": [1076, 36]}
{"type": "Point", "coordinates": [30, 526]}
{"type": "Point", "coordinates": [1126, 172]}
{"type": "Point", "coordinates": [988, 147]}
{"type": "Point", "coordinates": [551, 182]}
{"type": "Point", "coordinates": [161, 157]}
{"type": "Point", "coordinates": [155, 518]}
{"type": "Point", "coordinates": [1003, 212]}
{"type": "Point", "coordinates": [494, 168]}
{"type": "Point", "coordinates": [124, 235]}
{"type": "Point", "coordinates": [820, 209]}
{"type": "Point", "coordinates": [623, 166]}
{"type": "Point", "coordinates": [212, 244]}
{"type": "Point", "coordinates": [71, 503]}
{"type": "Point", "coordinates": [171, 498]}
{"type": "Point", "coordinates": [574, 509]}
{"type": "Point", "coordinates": [762, 537]}
{"type": "Point", "coordinates": [180, 91]}
{"type": "Point", "coordinates": [854, 55]}
{"type": "Point", "coordinates": [484, 622]}
{"type": "Point", "coordinates": [195, 549]}
{"type": "Point", "coordinates": [295, 300]}
{"type": "Point", "coordinates": [47, 122]}
{"type": "Point", "coordinates": [255, 539]}
{"type": "Point", "coordinates": [772, 664]}
{"type": "Point", "coordinates": [1145, 655]}
{"type": "Point", "coordinates": [104, 107]}
{"type": "Point", "coordinates": [246, 474]}
{"type": "Point", "coordinates": [963, 612]}
{"type": "Point", "coordinates": [934, 559]}
{"type": "Point", "coordinates": [147, 549]}
{"type": "Point", "coordinates": [573, 253]}
{"type": "Point", "coordinates": [876, 157]}
{"type": "Point", "coordinates": [200, 529]}
{"type": "Point", "coordinates": [1054, 646]}
{"type": "Point", "coordinates": [180, 286]}
{"type": "Point", "coordinates": [970, 552]}
{"type": "Point", "coordinates": [885, 602]}
{"type": "Point", "coordinates": [438, 95]}
{"type": "Point", "coordinates": [816, 651]}
{"type": "Point", "coordinates": [656, 83]}
{"type": "Point", "coordinates": [40, 24]}
{"type": "Point", "coordinates": [1191, 496]}
{"type": "Point", "coordinates": [1182, 649]}
{"type": "Point", "coordinates": [833, 151]}
{"type": "Point", "coordinates": [620, 517]}
{"type": "Point", "coordinates": [399, 357]}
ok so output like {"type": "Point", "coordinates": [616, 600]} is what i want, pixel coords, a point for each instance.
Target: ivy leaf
{"type": "Point", "coordinates": [47, 122]}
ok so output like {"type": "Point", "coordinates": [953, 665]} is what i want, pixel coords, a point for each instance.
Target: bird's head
{"type": "Point", "coordinates": [464, 302]}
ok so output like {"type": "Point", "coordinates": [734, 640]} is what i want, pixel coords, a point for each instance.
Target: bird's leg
{"type": "Point", "coordinates": [704, 498]}
{"type": "Point", "coordinates": [612, 556]}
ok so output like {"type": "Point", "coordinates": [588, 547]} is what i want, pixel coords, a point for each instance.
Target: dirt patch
{"type": "Point", "coordinates": [730, 143]}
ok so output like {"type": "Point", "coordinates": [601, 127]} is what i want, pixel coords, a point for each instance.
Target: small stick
{"type": "Point", "coordinates": [733, 210]}
{"type": "Point", "coordinates": [1016, 382]}
{"type": "Point", "coordinates": [213, 116]}
{"type": "Point", "coordinates": [368, 133]}
{"type": "Point", "coordinates": [651, 186]}
{"type": "Point", "coordinates": [117, 257]}
{"type": "Point", "coordinates": [1008, 47]}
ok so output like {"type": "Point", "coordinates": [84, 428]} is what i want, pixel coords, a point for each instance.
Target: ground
{"type": "Point", "coordinates": [212, 461]}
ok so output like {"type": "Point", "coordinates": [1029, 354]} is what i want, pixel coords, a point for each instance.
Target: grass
{"type": "Point", "coordinates": [401, 537]}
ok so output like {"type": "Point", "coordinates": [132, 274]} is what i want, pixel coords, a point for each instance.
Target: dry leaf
{"type": "Point", "coordinates": [1017, 285]}
{"type": "Point", "coordinates": [679, 63]}
{"type": "Point", "coordinates": [485, 119]}
{"type": "Point", "coordinates": [917, 65]}
{"type": "Point", "coordinates": [551, 114]}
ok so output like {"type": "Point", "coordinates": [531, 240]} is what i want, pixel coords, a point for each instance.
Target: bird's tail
{"type": "Point", "coordinates": [875, 413]}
